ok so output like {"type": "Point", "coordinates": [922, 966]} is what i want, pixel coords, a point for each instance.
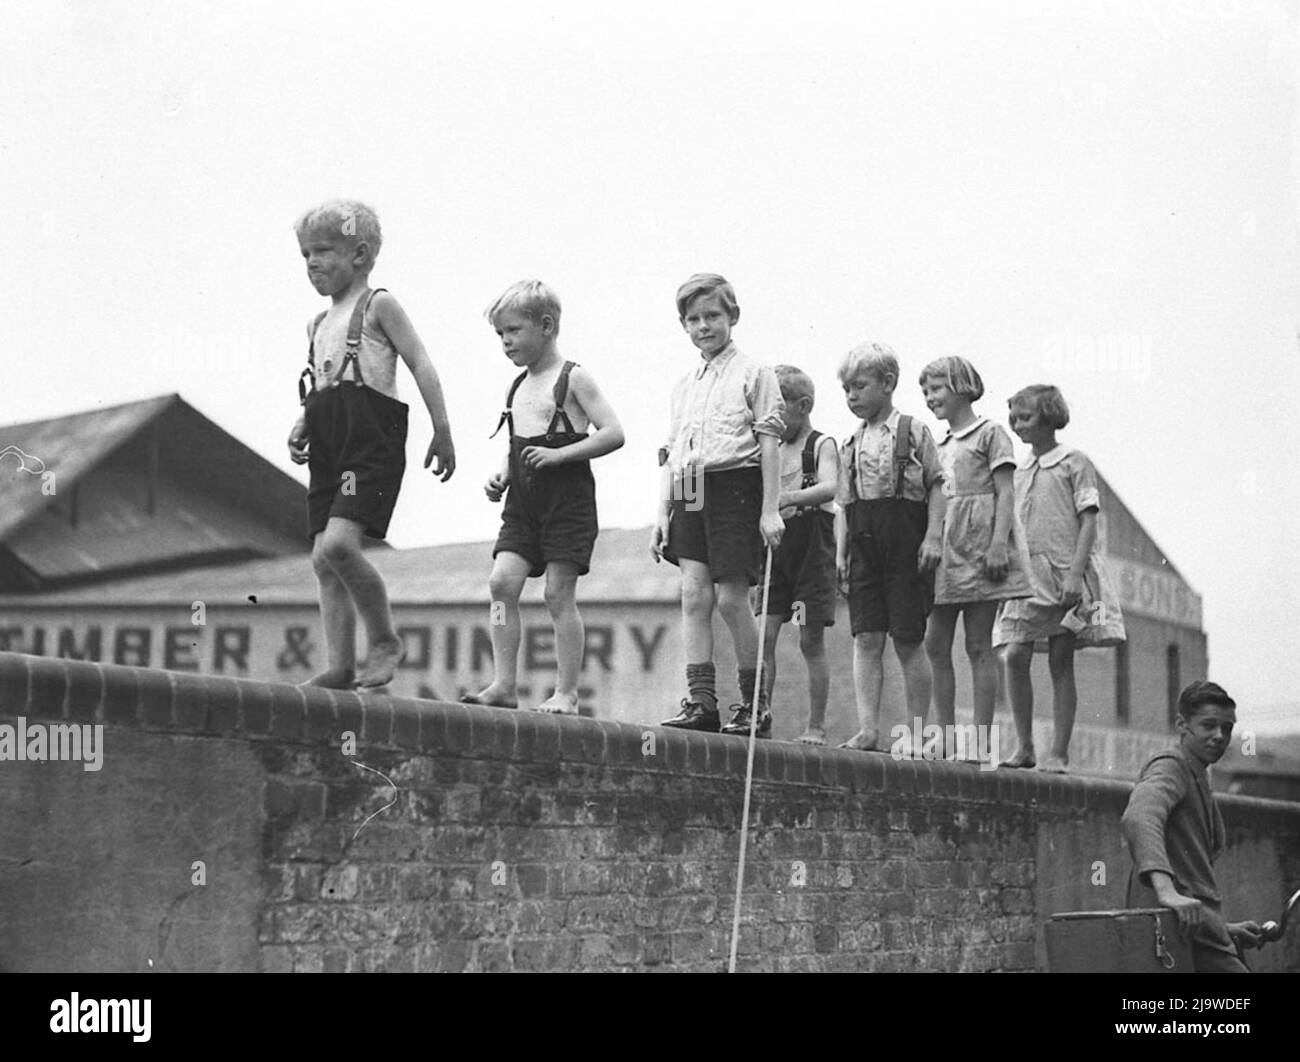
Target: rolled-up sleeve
{"type": "Point", "coordinates": [766, 403]}
{"type": "Point", "coordinates": [1083, 478]}
{"type": "Point", "coordinates": [1162, 785]}
{"type": "Point", "coordinates": [1000, 452]}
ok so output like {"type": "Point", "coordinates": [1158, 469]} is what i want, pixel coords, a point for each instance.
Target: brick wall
{"type": "Point", "coordinates": [228, 830]}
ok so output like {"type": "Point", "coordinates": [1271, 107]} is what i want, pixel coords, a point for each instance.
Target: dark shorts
{"type": "Point", "coordinates": [357, 454]}
{"type": "Point", "coordinates": [887, 591]}
{"type": "Point", "coordinates": [550, 515]}
{"type": "Point", "coordinates": [803, 570]}
{"type": "Point", "coordinates": [717, 525]}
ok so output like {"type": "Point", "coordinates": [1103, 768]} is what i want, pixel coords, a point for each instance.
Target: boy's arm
{"type": "Point", "coordinates": [607, 437]}
{"type": "Point", "coordinates": [828, 478]}
{"type": "Point", "coordinates": [931, 552]}
{"type": "Point", "coordinates": [663, 513]}
{"type": "Point", "coordinates": [1156, 794]}
{"type": "Point", "coordinates": [298, 433]}
{"type": "Point", "coordinates": [770, 523]}
{"type": "Point", "coordinates": [768, 410]}
{"type": "Point", "coordinates": [401, 333]}
{"type": "Point", "coordinates": [842, 550]}
{"type": "Point", "coordinates": [659, 533]}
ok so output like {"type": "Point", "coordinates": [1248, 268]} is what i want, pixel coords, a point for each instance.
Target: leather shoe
{"type": "Point", "coordinates": [694, 716]}
{"type": "Point", "coordinates": [739, 724]}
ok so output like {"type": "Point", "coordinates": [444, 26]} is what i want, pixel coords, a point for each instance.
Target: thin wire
{"type": "Point", "coordinates": [749, 764]}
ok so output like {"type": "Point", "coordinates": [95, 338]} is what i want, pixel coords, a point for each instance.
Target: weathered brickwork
{"type": "Point", "coordinates": [516, 841]}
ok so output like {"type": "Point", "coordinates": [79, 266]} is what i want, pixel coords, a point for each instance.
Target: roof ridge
{"type": "Point", "coordinates": [162, 401]}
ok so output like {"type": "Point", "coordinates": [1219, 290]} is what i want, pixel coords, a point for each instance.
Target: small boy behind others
{"type": "Point", "coordinates": [803, 567]}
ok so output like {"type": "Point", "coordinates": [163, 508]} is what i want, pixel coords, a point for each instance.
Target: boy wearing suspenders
{"type": "Point", "coordinates": [888, 537]}
{"type": "Point", "coordinates": [803, 566]}
{"type": "Point", "coordinates": [352, 435]}
{"type": "Point", "coordinates": [548, 525]}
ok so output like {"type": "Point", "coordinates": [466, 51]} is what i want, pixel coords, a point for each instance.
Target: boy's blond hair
{"type": "Point", "coordinates": [795, 384]}
{"type": "Point", "coordinates": [532, 298]}
{"type": "Point", "coordinates": [355, 221]}
{"type": "Point", "coordinates": [873, 359]}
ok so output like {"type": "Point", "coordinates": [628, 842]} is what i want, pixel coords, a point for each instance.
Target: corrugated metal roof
{"type": "Point", "coordinates": [622, 570]}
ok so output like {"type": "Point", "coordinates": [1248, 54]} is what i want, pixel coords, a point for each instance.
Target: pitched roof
{"type": "Point", "coordinates": [70, 445]}
{"type": "Point", "coordinates": [137, 487]}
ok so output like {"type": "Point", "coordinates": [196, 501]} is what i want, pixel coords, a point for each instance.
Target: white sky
{"type": "Point", "coordinates": [1018, 183]}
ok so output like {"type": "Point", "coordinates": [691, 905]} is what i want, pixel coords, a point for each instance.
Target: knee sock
{"type": "Point", "coordinates": [701, 685]}
{"type": "Point", "coordinates": [747, 677]}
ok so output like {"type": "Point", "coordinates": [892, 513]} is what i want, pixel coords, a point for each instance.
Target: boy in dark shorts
{"type": "Point", "coordinates": [719, 489]}
{"type": "Point", "coordinates": [352, 434]}
{"type": "Point", "coordinates": [548, 525]}
{"type": "Point", "coordinates": [803, 568]}
{"type": "Point", "coordinates": [888, 537]}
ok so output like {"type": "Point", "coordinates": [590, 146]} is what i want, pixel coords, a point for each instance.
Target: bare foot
{"type": "Point", "coordinates": [1022, 758]}
{"type": "Point", "coordinates": [381, 663]}
{"type": "Point", "coordinates": [814, 735]}
{"type": "Point", "coordinates": [334, 678]}
{"type": "Point", "coordinates": [495, 696]}
{"type": "Point", "coordinates": [862, 742]}
{"type": "Point", "coordinates": [559, 704]}
{"type": "Point", "coordinates": [1055, 765]}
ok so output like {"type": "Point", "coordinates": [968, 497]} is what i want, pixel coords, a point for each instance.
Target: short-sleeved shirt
{"type": "Point", "coordinates": [1052, 489]}
{"type": "Point", "coordinates": [871, 448]}
{"type": "Point", "coordinates": [719, 410]}
{"type": "Point", "coordinates": [970, 456]}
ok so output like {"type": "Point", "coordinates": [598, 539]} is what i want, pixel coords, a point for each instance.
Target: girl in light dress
{"type": "Point", "coordinates": [1074, 603]}
{"type": "Point", "coordinates": [983, 564]}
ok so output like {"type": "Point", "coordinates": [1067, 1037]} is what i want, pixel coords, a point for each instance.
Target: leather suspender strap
{"type": "Point", "coordinates": [902, 452]}
{"type": "Point", "coordinates": [353, 346]}
{"type": "Point", "coordinates": [809, 459]}
{"type": "Point", "coordinates": [558, 394]}
{"type": "Point", "coordinates": [852, 465]}
{"type": "Point", "coordinates": [507, 417]}
{"type": "Point", "coordinates": [354, 340]}
{"type": "Point", "coordinates": [307, 378]}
